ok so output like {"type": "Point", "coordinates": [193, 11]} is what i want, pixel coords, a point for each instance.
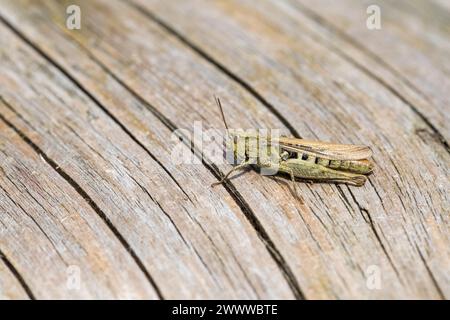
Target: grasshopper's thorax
{"type": "Point", "coordinates": [253, 148]}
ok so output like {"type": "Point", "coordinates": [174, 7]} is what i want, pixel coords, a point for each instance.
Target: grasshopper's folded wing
{"type": "Point", "coordinates": [326, 150]}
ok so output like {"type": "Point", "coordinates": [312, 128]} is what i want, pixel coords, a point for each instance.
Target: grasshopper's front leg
{"type": "Point", "coordinates": [238, 167]}
{"type": "Point", "coordinates": [312, 171]}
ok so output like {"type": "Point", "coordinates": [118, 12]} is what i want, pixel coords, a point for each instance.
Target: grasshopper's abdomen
{"type": "Point", "coordinates": [355, 166]}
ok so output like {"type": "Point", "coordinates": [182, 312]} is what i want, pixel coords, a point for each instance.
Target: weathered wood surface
{"type": "Point", "coordinates": [10, 286]}
{"type": "Point", "coordinates": [87, 179]}
{"type": "Point", "coordinates": [49, 227]}
{"type": "Point", "coordinates": [409, 55]}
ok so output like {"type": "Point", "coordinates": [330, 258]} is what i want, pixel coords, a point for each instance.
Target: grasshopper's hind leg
{"type": "Point", "coordinates": [238, 167]}
{"type": "Point", "coordinates": [311, 171]}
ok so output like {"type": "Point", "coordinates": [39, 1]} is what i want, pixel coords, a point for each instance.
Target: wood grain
{"type": "Point", "coordinates": [10, 286]}
{"type": "Point", "coordinates": [50, 234]}
{"type": "Point", "coordinates": [316, 86]}
{"type": "Point", "coordinates": [101, 103]}
{"type": "Point", "coordinates": [408, 54]}
{"type": "Point", "coordinates": [185, 235]}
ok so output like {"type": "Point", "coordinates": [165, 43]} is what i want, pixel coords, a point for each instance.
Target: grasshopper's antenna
{"type": "Point", "coordinates": [221, 111]}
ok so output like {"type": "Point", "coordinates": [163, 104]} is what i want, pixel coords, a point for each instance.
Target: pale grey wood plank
{"type": "Point", "coordinates": [409, 53]}
{"type": "Point", "coordinates": [325, 96]}
{"type": "Point", "coordinates": [57, 243]}
{"type": "Point", "coordinates": [10, 286]}
{"type": "Point", "coordinates": [331, 241]}
{"type": "Point", "coordinates": [185, 234]}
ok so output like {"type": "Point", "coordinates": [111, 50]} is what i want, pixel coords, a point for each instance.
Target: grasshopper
{"type": "Point", "coordinates": [299, 158]}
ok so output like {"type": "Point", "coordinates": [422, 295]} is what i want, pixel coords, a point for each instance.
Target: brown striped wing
{"type": "Point", "coordinates": [332, 151]}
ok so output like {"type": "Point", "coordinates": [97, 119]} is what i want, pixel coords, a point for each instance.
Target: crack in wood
{"type": "Point", "coordinates": [367, 217]}
{"type": "Point", "coordinates": [17, 275]}
{"type": "Point", "coordinates": [241, 268]}
{"type": "Point", "coordinates": [245, 208]}
{"type": "Point", "coordinates": [85, 196]}
{"type": "Point", "coordinates": [343, 36]}
{"type": "Point", "coordinates": [30, 216]}
{"type": "Point", "coordinates": [287, 273]}
{"type": "Point", "coordinates": [260, 98]}
{"type": "Point", "coordinates": [162, 210]}
{"type": "Point", "coordinates": [90, 96]}
{"type": "Point", "coordinates": [216, 172]}
{"type": "Point", "coordinates": [215, 63]}
{"type": "Point", "coordinates": [430, 273]}
{"type": "Point", "coordinates": [214, 247]}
